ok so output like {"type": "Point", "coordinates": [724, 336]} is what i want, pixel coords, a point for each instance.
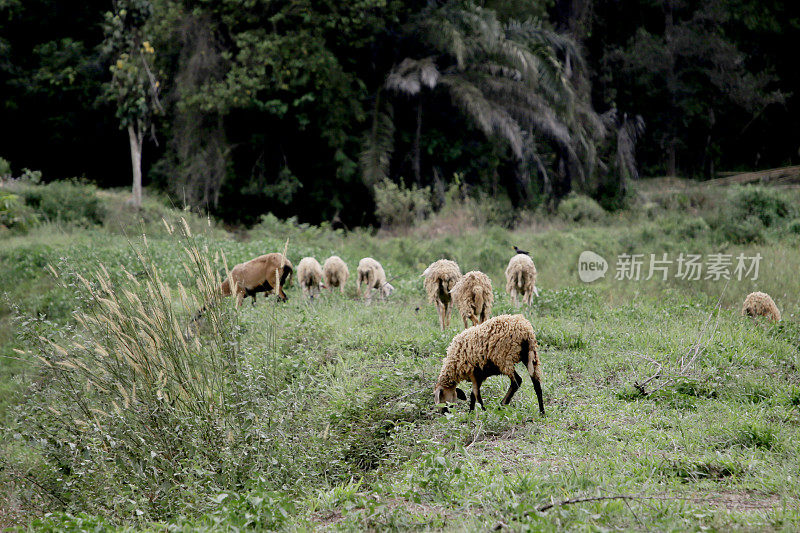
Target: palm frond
{"type": "Point", "coordinates": [376, 156]}
{"type": "Point", "coordinates": [490, 118]}
{"type": "Point", "coordinates": [412, 74]}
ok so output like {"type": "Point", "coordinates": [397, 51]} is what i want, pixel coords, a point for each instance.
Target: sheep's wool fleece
{"type": "Point", "coordinates": [369, 265]}
{"type": "Point", "coordinates": [761, 304]}
{"type": "Point", "coordinates": [499, 340]}
{"type": "Point", "coordinates": [464, 290]}
{"type": "Point", "coordinates": [335, 265]}
{"type": "Point", "coordinates": [445, 270]}
{"type": "Point", "coordinates": [520, 263]}
{"type": "Point", "coordinates": [309, 272]}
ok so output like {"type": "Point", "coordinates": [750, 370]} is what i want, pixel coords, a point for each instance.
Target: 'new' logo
{"type": "Point", "coordinates": [591, 267]}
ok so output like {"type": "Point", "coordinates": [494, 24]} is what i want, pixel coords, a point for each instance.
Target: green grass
{"type": "Point", "coordinates": [338, 420]}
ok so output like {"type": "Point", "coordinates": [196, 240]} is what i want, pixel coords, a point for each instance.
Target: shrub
{"type": "Point", "coordinates": [769, 205]}
{"type": "Point", "coordinates": [5, 168]}
{"type": "Point", "coordinates": [398, 206]}
{"type": "Point", "coordinates": [14, 214]}
{"type": "Point", "coordinates": [794, 226]}
{"type": "Point", "coordinates": [739, 230]}
{"type": "Point", "coordinates": [580, 208]}
{"type": "Point", "coordinates": [64, 201]}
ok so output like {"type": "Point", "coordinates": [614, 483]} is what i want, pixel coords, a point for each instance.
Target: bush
{"type": "Point", "coordinates": [5, 168]}
{"type": "Point", "coordinates": [580, 208]}
{"type": "Point", "coordinates": [398, 206]}
{"type": "Point", "coordinates": [794, 226]}
{"type": "Point", "coordinates": [14, 214]}
{"type": "Point", "coordinates": [740, 230]}
{"type": "Point", "coordinates": [65, 201]}
{"type": "Point", "coordinates": [769, 205]}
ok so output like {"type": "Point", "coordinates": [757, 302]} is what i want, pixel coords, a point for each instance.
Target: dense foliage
{"type": "Point", "coordinates": [302, 107]}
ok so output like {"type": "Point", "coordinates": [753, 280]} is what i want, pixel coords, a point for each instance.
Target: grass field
{"type": "Point", "coordinates": [306, 416]}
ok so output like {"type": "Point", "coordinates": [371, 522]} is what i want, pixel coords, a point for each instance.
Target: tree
{"type": "Point", "coordinates": [516, 81]}
{"type": "Point", "coordinates": [687, 75]}
{"type": "Point", "coordinates": [133, 86]}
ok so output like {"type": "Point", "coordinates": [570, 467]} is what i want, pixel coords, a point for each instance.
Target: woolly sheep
{"type": "Point", "coordinates": [440, 278]}
{"type": "Point", "coordinates": [473, 297]}
{"type": "Point", "coordinates": [371, 273]}
{"type": "Point", "coordinates": [760, 304]}
{"type": "Point", "coordinates": [309, 276]}
{"type": "Point", "coordinates": [521, 278]}
{"type": "Point", "coordinates": [489, 349]}
{"type": "Point", "coordinates": [258, 275]}
{"type": "Point", "coordinates": [335, 272]}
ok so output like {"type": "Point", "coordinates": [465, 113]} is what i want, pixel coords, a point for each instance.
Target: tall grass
{"type": "Point", "coordinates": [138, 406]}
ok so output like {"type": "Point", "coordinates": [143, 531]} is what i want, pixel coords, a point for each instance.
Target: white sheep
{"type": "Point", "coordinates": [440, 278]}
{"type": "Point", "coordinates": [371, 273]}
{"type": "Point", "coordinates": [521, 278]}
{"type": "Point", "coordinates": [473, 297]}
{"type": "Point", "coordinates": [335, 272]}
{"type": "Point", "coordinates": [490, 349]}
{"type": "Point", "coordinates": [309, 276]}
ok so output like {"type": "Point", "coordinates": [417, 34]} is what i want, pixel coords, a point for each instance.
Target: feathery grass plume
{"type": "Point", "coordinates": [132, 378]}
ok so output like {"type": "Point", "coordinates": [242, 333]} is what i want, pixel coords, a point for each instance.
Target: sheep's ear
{"type": "Point", "coordinates": [460, 394]}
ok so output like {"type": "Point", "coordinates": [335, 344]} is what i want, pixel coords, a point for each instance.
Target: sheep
{"type": "Point", "coordinates": [521, 278]}
{"type": "Point", "coordinates": [473, 297]}
{"type": "Point", "coordinates": [371, 273]}
{"type": "Point", "coordinates": [335, 272]}
{"type": "Point", "coordinates": [440, 277]}
{"type": "Point", "coordinates": [309, 276]}
{"type": "Point", "coordinates": [258, 275]}
{"type": "Point", "coordinates": [489, 349]}
{"type": "Point", "coordinates": [761, 304]}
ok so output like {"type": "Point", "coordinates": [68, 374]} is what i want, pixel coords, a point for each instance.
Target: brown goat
{"type": "Point", "coordinates": [258, 275]}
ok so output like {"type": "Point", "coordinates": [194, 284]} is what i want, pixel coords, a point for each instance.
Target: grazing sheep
{"type": "Point", "coordinates": [440, 278]}
{"type": "Point", "coordinates": [761, 304]}
{"type": "Point", "coordinates": [521, 278]}
{"type": "Point", "coordinates": [489, 349]}
{"type": "Point", "coordinates": [335, 272]}
{"type": "Point", "coordinates": [258, 275]}
{"type": "Point", "coordinates": [309, 276]}
{"type": "Point", "coordinates": [473, 297]}
{"type": "Point", "coordinates": [371, 273]}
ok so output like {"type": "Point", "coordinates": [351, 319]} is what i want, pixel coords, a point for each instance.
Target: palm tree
{"type": "Point", "coordinates": [517, 81]}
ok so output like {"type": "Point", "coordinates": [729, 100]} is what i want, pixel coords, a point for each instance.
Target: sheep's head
{"type": "Point", "coordinates": [445, 395]}
{"type": "Point", "coordinates": [386, 290]}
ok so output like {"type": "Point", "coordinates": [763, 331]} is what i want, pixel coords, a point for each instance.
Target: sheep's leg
{"type": "Point", "coordinates": [446, 317]}
{"type": "Point", "coordinates": [476, 393]}
{"type": "Point", "coordinates": [440, 312]}
{"type": "Point", "coordinates": [341, 287]}
{"type": "Point", "coordinates": [239, 299]}
{"type": "Point", "coordinates": [537, 386]}
{"type": "Point", "coordinates": [514, 297]}
{"type": "Point", "coordinates": [466, 324]}
{"type": "Point", "coordinates": [516, 380]}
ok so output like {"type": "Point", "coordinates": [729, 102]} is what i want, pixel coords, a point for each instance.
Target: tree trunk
{"type": "Point", "coordinates": [416, 163]}
{"type": "Point", "coordinates": [136, 137]}
{"type": "Point", "coordinates": [672, 88]}
{"type": "Point", "coordinates": [672, 165]}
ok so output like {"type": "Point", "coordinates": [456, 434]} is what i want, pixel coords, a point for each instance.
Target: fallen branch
{"type": "Point", "coordinates": [570, 501]}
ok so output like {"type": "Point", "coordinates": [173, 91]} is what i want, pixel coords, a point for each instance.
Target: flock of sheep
{"type": "Point", "coordinates": [489, 347]}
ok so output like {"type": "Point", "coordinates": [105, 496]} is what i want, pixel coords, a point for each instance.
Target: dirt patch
{"type": "Point", "coordinates": [745, 501]}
